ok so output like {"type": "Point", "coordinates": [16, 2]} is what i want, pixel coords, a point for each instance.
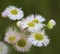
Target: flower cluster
{"type": "Point", "coordinates": [31, 30]}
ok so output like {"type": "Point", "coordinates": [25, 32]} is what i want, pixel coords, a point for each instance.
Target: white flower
{"type": "Point", "coordinates": [23, 45]}
{"type": "Point", "coordinates": [39, 39]}
{"type": "Point", "coordinates": [3, 48]}
{"type": "Point", "coordinates": [11, 36]}
{"type": "Point", "coordinates": [32, 23]}
{"type": "Point", "coordinates": [13, 13]}
{"type": "Point", "coordinates": [51, 24]}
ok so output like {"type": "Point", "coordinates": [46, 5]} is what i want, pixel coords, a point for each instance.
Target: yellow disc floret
{"type": "Point", "coordinates": [14, 12]}
{"type": "Point", "coordinates": [38, 36]}
{"type": "Point", "coordinates": [30, 24]}
{"type": "Point", "coordinates": [12, 38]}
{"type": "Point", "coordinates": [21, 42]}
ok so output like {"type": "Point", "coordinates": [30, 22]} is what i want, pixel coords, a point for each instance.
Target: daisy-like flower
{"type": "Point", "coordinates": [13, 13]}
{"type": "Point", "coordinates": [23, 45]}
{"type": "Point", "coordinates": [32, 23]}
{"type": "Point", "coordinates": [11, 36]}
{"type": "Point", "coordinates": [39, 39]}
{"type": "Point", "coordinates": [3, 48]}
{"type": "Point", "coordinates": [51, 24]}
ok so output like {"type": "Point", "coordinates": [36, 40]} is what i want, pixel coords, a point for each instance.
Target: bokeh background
{"type": "Point", "coordinates": [47, 8]}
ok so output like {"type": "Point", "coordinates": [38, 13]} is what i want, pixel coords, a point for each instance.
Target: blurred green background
{"type": "Point", "coordinates": [47, 8]}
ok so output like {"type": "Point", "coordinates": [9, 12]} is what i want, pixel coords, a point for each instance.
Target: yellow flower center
{"type": "Point", "coordinates": [1, 48]}
{"type": "Point", "coordinates": [12, 38]}
{"type": "Point", "coordinates": [14, 12]}
{"type": "Point", "coordinates": [30, 24]}
{"type": "Point", "coordinates": [35, 21]}
{"type": "Point", "coordinates": [21, 43]}
{"type": "Point", "coordinates": [39, 36]}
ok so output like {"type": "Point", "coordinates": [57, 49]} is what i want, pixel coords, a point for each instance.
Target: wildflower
{"type": "Point", "coordinates": [13, 13]}
{"type": "Point", "coordinates": [11, 36]}
{"type": "Point", "coordinates": [3, 48]}
{"type": "Point", "coordinates": [39, 39]}
{"type": "Point", "coordinates": [23, 45]}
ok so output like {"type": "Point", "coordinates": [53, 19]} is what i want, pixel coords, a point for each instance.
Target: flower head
{"type": "Point", "coordinates": [11, 36]}
{"type": "Point", "coordinates": [13, 13]}
{"type": "Point", "coordinates": [39, 39]}
{"type": "Point", "coordinates": [23, 45]}
{"type": "Point", "coordinates": [3, 48]}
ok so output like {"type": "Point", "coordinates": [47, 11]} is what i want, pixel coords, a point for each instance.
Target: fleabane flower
{"type": "Point", "coordinates": [11, 36]}
{"type": "Point", "coordinates": [51, 24]}
{"type": "Point", "coordinates": [32, 23]}
{"type": "Point", "coordinates": [3, 48]}
{"type": "Point", "coordinates": [39, 39]}
{"type": "Point", "coordinates": [23, 45]}
{"type": "Point", "coordinates": [13, 13]}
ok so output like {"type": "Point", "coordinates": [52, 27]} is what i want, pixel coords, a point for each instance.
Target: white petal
{"type": "Point", "coordinates": [53, 22]}
{"type": "Point", "coordinates": [40, 18]}
{"type": "Point", "coordinates": [30, 18]}
{"type": "Point", "coordinates": [39, 44]}
{"type": "Point", "coordinates": [5, 13]}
